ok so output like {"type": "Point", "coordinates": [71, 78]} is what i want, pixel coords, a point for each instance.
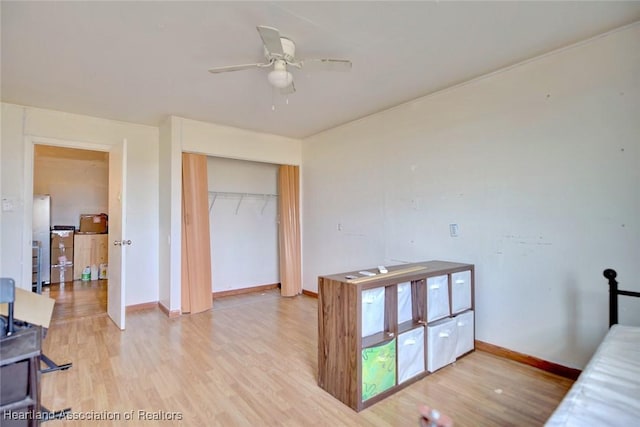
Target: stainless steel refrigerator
{"type": "Point", "coordinates": [42, 233]}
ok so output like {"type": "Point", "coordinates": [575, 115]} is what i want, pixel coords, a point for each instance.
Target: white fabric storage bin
{"type": "Point", "coordinates": [464, 322]}
{"type": "Point", "coordinates": [372, 311]}
{"type": "Point", "coordinates": [441, 347]}
{"type": "Point", "coordinates": [405, 312]}
{"type": "Point", "coordinates": [460, 291]}
{"type": "Point", "coordinates": [437, 297]}
{"type": "Point", "coordinates": [410, 354]}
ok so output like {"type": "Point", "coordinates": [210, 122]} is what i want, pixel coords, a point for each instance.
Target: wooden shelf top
{"type": "Point", "coordinates": [398, 273]}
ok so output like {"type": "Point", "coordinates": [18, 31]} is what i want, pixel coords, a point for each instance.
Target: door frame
{"type": "Point", "coordinates": [29, 152]}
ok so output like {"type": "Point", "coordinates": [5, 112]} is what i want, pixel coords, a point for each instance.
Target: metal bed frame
{"type": "Point", "coordinates": [611, 275]}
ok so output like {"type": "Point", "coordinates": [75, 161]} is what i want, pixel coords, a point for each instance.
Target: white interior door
{"type": "Point", "coordinates": [117, 243]}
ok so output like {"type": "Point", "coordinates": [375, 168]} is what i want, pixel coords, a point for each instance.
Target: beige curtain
{"type": "Point", "coordinates": [196, 247]}
{"type": "Point", "coordinates": [289, 230]}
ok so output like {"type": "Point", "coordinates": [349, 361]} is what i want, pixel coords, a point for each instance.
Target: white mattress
{"type": "Point", "coordinates": [607, 392]}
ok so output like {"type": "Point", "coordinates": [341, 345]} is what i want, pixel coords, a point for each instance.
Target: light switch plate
{"type": "Point", "coordinates": [7, 205]}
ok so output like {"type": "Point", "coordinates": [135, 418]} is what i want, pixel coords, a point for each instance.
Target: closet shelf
{"type": "Point", "coordinates": [233, 195]}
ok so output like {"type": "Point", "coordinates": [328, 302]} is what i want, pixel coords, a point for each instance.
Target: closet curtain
{"type": "Point", "coordinates": [196, 248]}
{"type": "Point", "coordinates": [289, 230]}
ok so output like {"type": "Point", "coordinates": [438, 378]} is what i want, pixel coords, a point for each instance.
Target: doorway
{"type": "Point", "coordinates": [76, 183]}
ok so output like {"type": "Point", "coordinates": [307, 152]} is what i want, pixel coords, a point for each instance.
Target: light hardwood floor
{"type": "Point", "coordinates": [251, 361]}
{"type": "Point", "coordinates": [78, 299]}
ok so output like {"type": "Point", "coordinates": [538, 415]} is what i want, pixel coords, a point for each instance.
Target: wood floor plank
{"type": "Point", "coordinates": [78, 299]}
{"type": "Point", "coordinates": [252, 360]}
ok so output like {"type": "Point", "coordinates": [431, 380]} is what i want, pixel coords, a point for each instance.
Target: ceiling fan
{"type": "Point", "coordinates": [280, 52]}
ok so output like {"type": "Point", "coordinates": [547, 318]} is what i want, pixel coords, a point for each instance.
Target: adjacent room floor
{"type": "Point", "coordinates": [251, 361]}
{"type": "Point", "coordinates": [77, 299]}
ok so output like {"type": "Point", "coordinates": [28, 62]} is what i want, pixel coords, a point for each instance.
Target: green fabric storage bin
{"type": "Point", "coordinates": [378, 369]}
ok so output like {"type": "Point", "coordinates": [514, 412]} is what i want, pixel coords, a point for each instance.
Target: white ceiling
{"type": "Point", "coordinates": [142, 61]}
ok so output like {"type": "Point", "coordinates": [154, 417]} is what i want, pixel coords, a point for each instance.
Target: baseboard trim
{"type": "Point", "coordinates": [242, 291]}
{"type": "Point", "coordinates": [143, 306]}
{"type": "Point", "coordinates": [310, 293]}
{"type": "Point", "coordinates": [554, 368]}
{"type": "Point", "coordinates": [170, 313]}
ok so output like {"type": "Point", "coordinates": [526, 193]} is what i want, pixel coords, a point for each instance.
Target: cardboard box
{"type": "Point", "coordinates": [57, 255]}
{"type": "Point", "coordinates": [31, 307]}
{"type": "Point", "coordinates": [61, 274]}
{"type": "Point", "coordinates": [62, 239]}
{"type": "Point", "coordinates": [93, 223]}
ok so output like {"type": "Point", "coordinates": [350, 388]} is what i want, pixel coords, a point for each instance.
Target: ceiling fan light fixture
{"type": "Point", "coordinates": [280, 78]}
{"type": "Point", "coordinates": [280, 53]}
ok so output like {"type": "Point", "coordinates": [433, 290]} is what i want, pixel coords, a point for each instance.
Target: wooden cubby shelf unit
{"type": "Point", "coordinates": [374, 332]}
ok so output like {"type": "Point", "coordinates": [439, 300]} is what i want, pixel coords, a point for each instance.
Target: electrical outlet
{"type": "Point", "coordinates": [453, 230]}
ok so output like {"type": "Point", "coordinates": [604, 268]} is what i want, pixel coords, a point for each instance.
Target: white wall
{"type": "Point", "coordinates": [23, 125]}
{"type": "Point", "coordinates": [170, 203]}
{"type": "Point", "coordinates": [244, 229]}
{"type": "Point", "coordinates": [12, 173]}
{"type": "Point", "coordinates": [538, 164]}
{"type": "Point", "coordinates": [233, 143]}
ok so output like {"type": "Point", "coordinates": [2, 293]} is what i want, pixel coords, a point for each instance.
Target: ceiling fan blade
{"type": "Point", "coordinates": [237, 67]}
{"type": "Point", "coordinates": [327, 64]}
{"type": "Point", "coordinates": [271, 39]}
{"type": "Point", "coordinates": [288, 90]}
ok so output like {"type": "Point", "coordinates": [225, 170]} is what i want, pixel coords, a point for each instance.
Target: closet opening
{"type": "Point", "coordinates": [243, 218]}
{"type": "Point", "coordinates": [253, 230]}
